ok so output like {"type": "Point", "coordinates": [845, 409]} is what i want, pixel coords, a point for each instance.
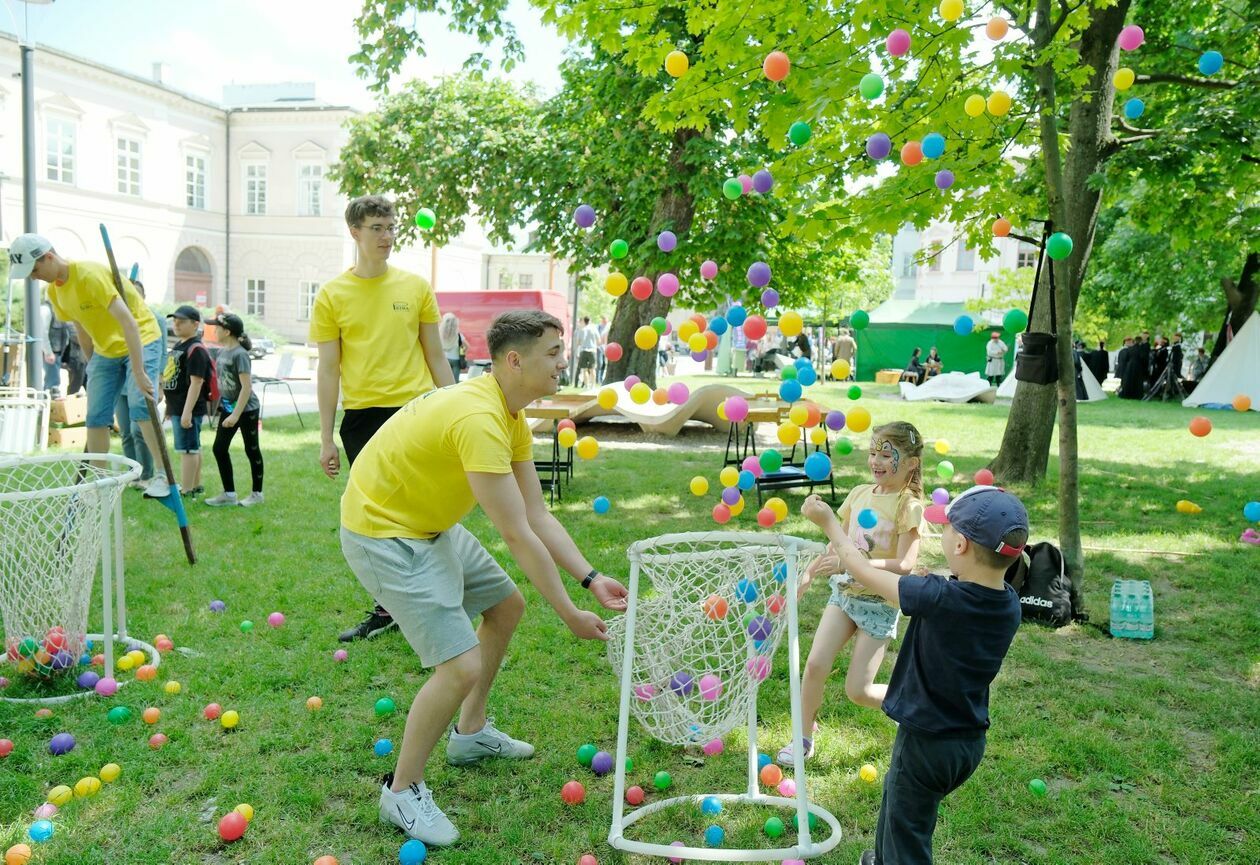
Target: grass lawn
{"type": "Point", "coordinates": [1151, 751]}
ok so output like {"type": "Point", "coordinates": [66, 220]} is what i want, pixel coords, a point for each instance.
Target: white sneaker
{"type": "Point", "coordinates": [251, 500]}
{"type": "Point", "coordinates": [222, 500]}
{"type": "Point", "coordinates": [159, 487]}
{"type": "Point", "coordinates": [414, 811]}
{"type": "Point", "coordinates": [487, 742]}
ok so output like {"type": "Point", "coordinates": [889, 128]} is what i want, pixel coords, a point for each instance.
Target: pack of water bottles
{"type": "Point", "coordinates": [1132, 610]}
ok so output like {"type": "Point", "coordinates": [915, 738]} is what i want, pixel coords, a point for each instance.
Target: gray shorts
{"type": "Point", "coordinates": [872, 615]}
{"type": "Point", "coordinates": [433, 588]}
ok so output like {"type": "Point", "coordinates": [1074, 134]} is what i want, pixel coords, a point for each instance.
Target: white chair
{"type": "Point", "coordinates": [280, 379]}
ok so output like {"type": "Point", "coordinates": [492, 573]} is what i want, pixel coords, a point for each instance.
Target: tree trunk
{"type": "Point", "coordinates": [1240, 301]}
{"type": "Point", "coordinates": [675, 208]}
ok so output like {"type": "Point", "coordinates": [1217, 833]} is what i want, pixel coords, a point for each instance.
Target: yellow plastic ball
{"type": "Point", "coordinates": [729, 476]}
{"type": "Point", "coordinates": [721, 412]}
{"type": "Point", "coordinates": [125, 663]}
{"type": "Point", "coordinates": [941, 446]}
{"type": "Point", "coordinates": [779, 507]}
{"type": "Point", "coordinates": [1123, 79]}
{"type": "Point", "coordinates": [137, 656]}
{"type": "Point", "coordinates": [687, 330]}
{"type": "Point", "coordinates": [607, 399]}
{"type": "Point", "coordinates": [699, 485]}
{"type": "Point", "coordinates": [858, 419]}
{"type": "Point", "coordinates": [26, 666]}
{"type": "Point", "coordinates": [818, 436]}
{"type": "Point", "coordinates": [587, 447]}
{"type": "Point", "coordinates": [640, 393]}
{"type": "Point", "coordinates": [567, 437]}
{"type": "Point", "coordinates": [616, 284]}
{"type": "Point", "coordinates": [840, 370]}
{"type": "Point", "coordinates": [60, 795]}
{"type": "Point", "coordinates": [999, 103]}
{"type": "Point", "coordinates": [789, 433]}
{"type": "Point", "coordinates": [246, 810]}
{"type": "Point", "coordinates": [697, 342]}
{"type": "Point", "coordinates": [645, 337]}
{"type": "Point", "coordinates": [314, 704]}
{"type": "Point", "coordinates": [738, 507]}
{"type": "Point", "coordinates": [791, 324]}
{"type": "Point", "coordinates": [677, 64]}
{"type": "Point", "coordinates": [172, 687]}
{"type": "Point", "coordinates": [974, 106]}
{"type": "Point", "coordinates": [86, 787]}
{"type": "Point", "coordinates": [229, 719]}
{"type": "Point", "coordinates": [868, 773]}
{"type": "Point", "coordinates": [951, 10]}
{"type": "Point", "coordinates": [110, 772]}
{"type": "Point", "coordinates": [798, 414]}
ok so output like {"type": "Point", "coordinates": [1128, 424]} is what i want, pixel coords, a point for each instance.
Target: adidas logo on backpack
{"type": "Point", "coordinates": [1034, 601]}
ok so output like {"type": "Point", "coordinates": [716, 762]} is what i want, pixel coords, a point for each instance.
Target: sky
{"type": "Point", "coordinates": [210, 43]}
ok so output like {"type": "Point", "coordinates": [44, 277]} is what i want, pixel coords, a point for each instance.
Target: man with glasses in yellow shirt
{"type": "Point", "coordinates": [419, 476]}
{"type": "Point", "coordinates": [376, 328]}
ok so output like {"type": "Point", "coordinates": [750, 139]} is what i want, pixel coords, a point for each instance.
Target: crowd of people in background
{"type": "Point", "coordinates": [1143, 365]}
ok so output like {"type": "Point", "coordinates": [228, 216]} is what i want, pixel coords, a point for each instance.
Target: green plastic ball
{"type": "Point", "coordinates": [629, 765]}
{"type": "Point", "coordinates": [788, 372]}
{"type": "Point", "coordinates": [771, 461]}
{"type": "Point", "coordinates": [619, 248]}
{"type": "Point", "coordinates": [774, 827]}
{"type": "Point", "coordinates": [732, 188]}
{"type": "Point", "coordinates": [1037, 786]}
{"type": "Point", "coordinates": [945, 470]}
{"type": "Point", "coordinates": [860, 319]}
{"type": "Point", "coordinates": [1059, 246]}
{"type": "Point", "coordinates": [586, 754]}
{"type": "Point", "coordinates": [871, 86]}
{"type": "Point", "coordinates": [658, 324]}
{"type": "Point", "coordinates": [799, 133]}
{"type": "Point", "coordinates": [28, 647]}
{"type": "Point", "coordinates": [425, 218]}
{"type": "Point", "coordinates": [813, 821]}
{"type": "Point", "coordinates": [855, 392]}
{"type": "Point", "coordinates": [1015, 320]}
{"type": "Point", "coordinates": [662, 780]}
{"type": "Point", "coordinates": [384, 706]}
{"type": "Point", "coordinates": [247, 626]}
{"type": "Point", "coordinates": [844, 447]}
{"type": "Point", "coordinates": [119, 715]}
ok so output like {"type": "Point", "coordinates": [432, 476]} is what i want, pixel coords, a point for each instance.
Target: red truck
{"type": "Point", "coordinates": [476, 309]}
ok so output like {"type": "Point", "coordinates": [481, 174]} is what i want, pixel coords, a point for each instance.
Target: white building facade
{"type": "Point", "coordinates": [930, 266]}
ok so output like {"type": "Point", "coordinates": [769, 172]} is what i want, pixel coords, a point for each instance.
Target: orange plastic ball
{"type": "Point", "coordinates": [1001, 227]}
{"type": "Point", "coordinates": [715, 607]}
{"type": "Point", "coordinates": [776, 66]}
{"type": "Point", "coordinates": [771, 775]}
{"type": "Point", "coordinates": [1200, 426]}
{"type": "Point", "coordinates": [911, 153]}
{"type": "Point", "coordinates": [326, 860]}
{"type": "Point", "coordinates": [146, 673]}
{"type": "Point", "coordinates": [1242, 402]}
{"type": "Point", "coordinates": [151, 715]}
{"type": "Point", "coordinates": [997, 28]}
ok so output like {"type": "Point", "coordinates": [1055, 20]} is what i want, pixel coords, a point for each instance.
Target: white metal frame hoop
{"type": "Point", "coordinates": [113, 580]}
{"type": "Point", "coordinates": [806, 847]}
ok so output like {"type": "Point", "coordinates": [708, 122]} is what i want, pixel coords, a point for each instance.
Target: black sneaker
{"type": "Point", "coordinates": [868, 857]}
{"type": "Point", "coordinates": [376, 623]}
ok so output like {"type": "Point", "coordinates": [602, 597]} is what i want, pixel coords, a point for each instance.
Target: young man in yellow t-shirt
{"type": "Point", "coordinates": [376, 328]}
{"type": "Point", "coordinates": [122, 340]}
{"type": "Point", "coordinates": [415, 480]}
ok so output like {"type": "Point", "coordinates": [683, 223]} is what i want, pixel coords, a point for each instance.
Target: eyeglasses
{"type": "Point", "coordinates": [377, 228]}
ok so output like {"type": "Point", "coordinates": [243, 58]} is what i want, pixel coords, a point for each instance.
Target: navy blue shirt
{"type": "Point", "coordinates": [958, 634]}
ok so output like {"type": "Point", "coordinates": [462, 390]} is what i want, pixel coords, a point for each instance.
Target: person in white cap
{"type": "Point", "coordinates": [121, 339]}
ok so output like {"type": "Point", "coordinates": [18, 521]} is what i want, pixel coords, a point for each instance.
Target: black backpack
{"type": "Point", "coordinates": [1043, 586]}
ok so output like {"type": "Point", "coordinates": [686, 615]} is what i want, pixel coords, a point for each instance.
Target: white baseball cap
{"type": "Point", "coordinates": [24, 251]}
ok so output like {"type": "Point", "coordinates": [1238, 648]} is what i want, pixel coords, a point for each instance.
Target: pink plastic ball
{"type": "Point", "coordinates": [759, 668]}
{"type": "Point", "coordinates": [631, 381]}
{"type": "Point", "coordinates": [787, 787]}
{"type": "Point", "coordinates": [275, 620]}
{"type": "Point", "coordinates": [1131, 38]}
{"type": "Point", "coordinates": [667, 285]}
{"type": "Point", "coordinates": [753, 464]}
{"type": "Point", "coordinates": [645, 692]}
{"type": "Point", "coordinates": [709, 269]}
{"type": "Point", "coordinates": [711, 687]}
{"type": "Point", "coordinates": [107, 687]}
{"type": "Point", "coordinates": [714, 747]}
{"type": "Point", "coordinates": [898, 42]}
{"type": "Point", "coordinates": [340, 655]}
{"type": "Point", "coordinates": [746, 183]}
{"type": "Point", "coordinates": [736, 408]}
{"type": "Point", "coordinates": [46, 811]}
{"type": "Point", "coordinates": [675, 859]}
{"type": "Point", "coordinates": [678, 393]}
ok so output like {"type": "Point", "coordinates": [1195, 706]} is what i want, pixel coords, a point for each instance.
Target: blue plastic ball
{"type": "Point", "coordinates": [736, 316]}
{"type": "Point", "coordinates": [40, 831]}
{"type": "Point", "coordinates": [763, 760]}
{"type": "Point", "coordinates": [964, 325]}
{"type": "Point", "coordinates": [780, 572]}
{"type": "Point", "coordinates": [790, 390]}
{"type": "Point", "coordinates": [867, 518]}
{"type": "Point", "coordinates": [1133, 108]}
{"type": "Point", "coordinates": [714, 836]}
{"type": "Point", "coordinates": [718, 325]}
{"type": "Point", "coordinates": [601, 504]}
{"type": "Point", "coordinates": [807, 376]}
{"type": "Point", "coordinates": [1251, 511]}
{"type": "Point", "coordinates": [933, 145]}
{"type": "Point", "coordinates": [1210, 62]}
{"type": "Point", "coordinates": [383, 747]}
{"type": "Point", "coordinates": [412, 853]}
{"type": "Point", "coordinates": [801, 363]}
{"type": "Point", "coordinates": [747, 591]}
{"type": "Point", "coordinates": [711, 805]}
{"type": "Point", "coordinates": [818, 466]}
{"type": "Point", "coordinates": [747, 480]}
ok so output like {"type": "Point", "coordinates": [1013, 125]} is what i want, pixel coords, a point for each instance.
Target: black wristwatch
{"type": "Point", "coordinates": [590, 578]}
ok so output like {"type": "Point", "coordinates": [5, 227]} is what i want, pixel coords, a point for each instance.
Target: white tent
{"type": "Point", "coordinates": [1093, 390]}
{"type": "Point", "coordinates": [1236, 371]}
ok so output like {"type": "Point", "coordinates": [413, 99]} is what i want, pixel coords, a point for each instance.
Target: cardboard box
{"type": "Point", "coordinates": [69, 438]}
{"type": "Point", "coordinates": [69, 410]}
{"type": "Point", "coordinates": [888, 376]}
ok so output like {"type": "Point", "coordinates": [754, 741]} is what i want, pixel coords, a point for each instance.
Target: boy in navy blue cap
{"type": "Point", "coordinates": [953, 648]}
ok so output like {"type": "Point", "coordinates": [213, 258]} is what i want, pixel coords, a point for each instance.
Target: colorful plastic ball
{"type": "Point", "coordinates": [618, 248]}
{"type": "Point", "coordinates": [60, 795]}
{"type": "Point", "coordinates": [746, 480]}
{"type": "Point", "coordinates": [616, 284]}
{"type": "Point", "coordinates": [662, 780]}
{"type": "Point", "coordinates": [1015, 321]}
{"type": "Point", "coordinates": [641, 288]}
{"type": "Point", "coordinates": [738, 507]}
{"type": "Point", "coordinates": [770, 461]}
{"type": "Point", "coordinates": [898, 42]}
{"type": "Point", "coordinates": [868, 773]}
{"type": "Point", "coordinates": [639, 395]}
{"type": "Point", "coordinates": [813, 822]}
{"type": "Point", "coordinates": [699, 485]}
{"type": "Point", "coordinates": [1251, 512]}
{"type": "Point", "coordinates": [87, 680]}
{"type": "Point", "coordinates": [217, 606]}
{"type": "Point", "coordinates": [998, 103]}
{"type": "Point", "coordinates": [787, 788]}
{"type": "Point", "coordinates": [212, 711]}
{"type": "Point", "coordinates": [818, 466]}
{"type": "Point", "coordinates": [713, 747]}
{"type": "Point", "coordinates": [18, 854]}
{"type": "Point", "coordinates": [151, 715]}
{"type": "Point", "coordinates": [1059, 246]}
{"type": "Point", "coordinates": [774, 827]}
{"type": "Point", "coordinates": [997, 28]}
{"type": "Point", "coordinates": [6, 747]}
{"type": "Point", "coordinates": [745, 183]}
{"type": "Point", "coordinates": [682, 684]}
{"type": "Point", "coordinates": [246, 810]}
{"type": "Point", "coordinates": [384, 706]}
{"type": "Point", "coordinates": [676, 64]}
{"type": "Point", "coordinates": [789, 433]}
{"type": "Point", "coordinates": [1210, 62]}
{"type": "Point", "coordinates": [1038, 787]}
{"type": "Point", "coordinates": [412, 852]}
{"type": "Point", "coordinates": [1123, 79]}
{"type": "Point", "coordinates": [46, 811]}
{"type": "Point", "coordinates": [645, 692]}
{"type": "Point", "coordinates": [586, 753]}
{"type": "Point", "coordinates": [911, 153]}
{"type": "Point", "coordinates": [871, 86]}
{"type": "Point", "coordinates": [667, 285]}
{"type": "Point", "coordinates": [230, 719]}
{"type": "Point", "coordinates": [763, 181]}
{"type": "Point", "coordinates": [754, 327]}
{"type": "Point", "coordinates": [770, 775]}
{"type": "Point", "coordinates": [759, 628]}
{"type": "Point", "coordinates": [340, 656]}
{"type": "Point", "coordinates": [584, 216]}
{"type": "Point", "coordinates": [40, 831]}
{"type": "Point", "coordinates": [106, 687]}
{"type": "Point", "coordinates": [1200, 426]}
{"type": "Point", "coordinates": [697, 342]}
{"type": "Point", "coordinates": [1241, 402]}
{"type": "Point", "coordinates": [383, 747]}
{"type": "Point", "coordinates": [769, 298]}
{"type": "Point", "coordinates": [709, 268]}
{"type": "Point", "coordinates": [126, 663]}
{"type": "Point", "coordinates": [945, 470]}
{"type": "Point", "coordinates": [587, 447]}
{"type": "Point", "coordinates": [963, 325]}
{"type": "Point", "coordinates": [799, 133]}
{"type": "Point", "coordinates": [951, 10]}
{"type": "Point", "coordinates": [790, 391]}
{"type": "Point", "coordinates": [714, 836]}
{"type": "Point", "coordinates": [791, 324]}
{"type": "Point", "coordinates": [157, 740]}
{"type": "Point", "coordinates": [1001, 227]}
{"type": "Point", "coordinates": [314, 704]}
{"type": "Point", "coordinates": [776, 66]}
{"type": "Point", "coordinates": [425, 218]}
{"type": "Point", "coordinates": [758, 274]}
{"type": "Point", "coordinates": [566, 438]}
{"type": "Point", "coordinates": [246, 627]}
{"type": "Point", "coordinates": [933, 145]}
{"type": "Point", "coordinates": [326, 860]}
{"type": "Point", "coordinates": [62, 743]}
{"type": "Point", "coordinates": [732, 188]}
{"type": "Point", "coordinates": [232, 826]}
{"type": "Point", "coordinates": [974, 105]}
{"type": "Point", "coordinates": [118, 715]}
{"type": "Point", "coordinates": [867, 518]}
{"type": "Point", "coordinates": [711, 687]}
{"type": "Point", "coordinates": [788, 373]}
{"type": "Point", "coordinates": [878, 146]}
{"type": "Point", "coordinates": [645, 337]}
{"type": "Point", "coordinates": [736, 316]}
{"type": "Point", "coordinates": [674, 859]}
{"type": "Point", "coordinates": [634, 795]}
{"type": "Point", "coordinates": [858, 419]}
{"type": "Point", "coordinates": [275, 619]}
{"type": "Point", "coordinates": [1134, 108]}
{"type": "Point", "coordinates": [146, 673]}
{"type": "Point", "coordinates": [573, 793]}
{"type": "Point", "coordinates": [983, 478]}
{"type": "Point", "coordinates": [944, 179]}
{"type": "Point", "coordinates": [807, 376]}
{"type": "Point", "coordinates": [940, 496]}
{"type": "Point", "coordinates": [601, 505]}
{"type": "Point", "coordinates": [1131, 38]}
{"type": "Point", "coordinates": [758, 668]}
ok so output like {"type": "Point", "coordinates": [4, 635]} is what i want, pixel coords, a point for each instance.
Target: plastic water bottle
{"type": "Point", "coordinates": [1117, 609]}
{"type": "Point", "coordinates": [1146, 613]}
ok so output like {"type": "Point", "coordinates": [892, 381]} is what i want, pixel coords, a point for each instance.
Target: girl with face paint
{"type": "Point", "coordinates": [883, 519]}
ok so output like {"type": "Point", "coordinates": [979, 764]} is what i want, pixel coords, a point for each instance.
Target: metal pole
{"type": "Point", "coordinates": [33, 365]}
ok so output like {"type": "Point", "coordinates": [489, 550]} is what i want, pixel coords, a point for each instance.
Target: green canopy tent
{"type": "Point", "coordinates": [899, 326]}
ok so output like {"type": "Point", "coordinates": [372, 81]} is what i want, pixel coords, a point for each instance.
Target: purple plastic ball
{"type": "Point", "coordinates": [601, 763]}
{"type": "Point", "coordinates": [835, 420]}
{"type": "Point", "coordinates": [666, 241]}
{"type": "Point", "coordinates": [759, 628]}
{"type": "Point", "coordinates": [769, 298]}
{"type": "Point", "coordinates": [62, 743]}
{"type": "Point", "coordinates": [63, 660]}
{"type": "Point", "coordinates": [699, 356]}
{"type": "Point", "coordinates": [759, 274]}
{"type": "Point", "coordinates": [762, 181]}
{"type": "Point", "coordinates": [944, 179]}
{"type": "Point", "coordinates": [584, 216]}
{"type": "Point", "coordinates": [88, 680]}
{"type": "Point", "coordinates": [878, 146]}
{"type": "Point", "coordinates": [730, 495]}
{"type": "Point", "coordinates": [940, 496]}
{"type": "Point", "coordinates": [681, 684]}
{"type": "Point", "coordinates": [217, 606]}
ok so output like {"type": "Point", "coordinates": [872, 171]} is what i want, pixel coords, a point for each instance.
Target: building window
{"type": "Point", "coordinates": [310, 190]}
{"type": "Point", "coordinates": [128, 153]}
{"type": "Point", "coordinates": [59, 149]}
{"type": "Point", "coordinates": [505, 279]}
{"type": "Point", "coordinates": [195, 181]}
{"type": "Point", "coordinates": [908, 266]}
{"type": "Point", "coordinates": [255, 291]}
{"type": "Point", "coordinates": [527, 282]}
{"type": "Point", "coordinates": [256, 189]}
{"type": "Point", "coordinates": [307, 289]}
{"type": "Point", "coordinates": [966, 257]}
{"type": "Point", "coordinates": [934, 250]}
{"type": "Point", "coordinates": [1027, 255]}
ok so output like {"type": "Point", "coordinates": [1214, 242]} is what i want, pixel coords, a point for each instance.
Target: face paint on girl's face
{"type": "Point", "coordinates": [884, 461]}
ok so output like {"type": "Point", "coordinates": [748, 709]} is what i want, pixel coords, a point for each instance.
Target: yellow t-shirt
{"type": "Point", "coordinates": [896, 513]}
{"type": "Point", "coordinates": [85, 297]}
{"type": "Point", "coordinates": [378, 323]}
{"type": "Point", "coordinates": [409, 480]}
